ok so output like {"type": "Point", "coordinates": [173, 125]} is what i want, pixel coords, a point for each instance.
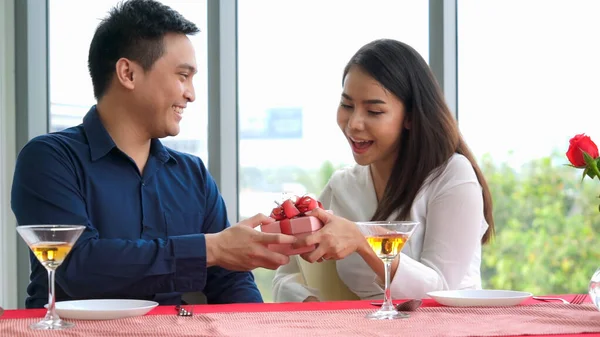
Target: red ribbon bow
{"type": "Point", "coordinates": [289, 210]}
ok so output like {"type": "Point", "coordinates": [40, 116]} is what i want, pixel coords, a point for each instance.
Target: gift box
{"type": "Point", "coordinates": [299, 227]}
{"type": "Point", "coordinates": [291, 220]}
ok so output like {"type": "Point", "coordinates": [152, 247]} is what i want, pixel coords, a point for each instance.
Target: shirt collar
{"type": "Point", "coordinates": [101, 143]}
{"type": "Point", "coordinates": [158, 150]}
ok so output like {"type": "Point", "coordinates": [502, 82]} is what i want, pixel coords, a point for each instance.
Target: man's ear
{"type": "Point", "coordinates": [127, 72]}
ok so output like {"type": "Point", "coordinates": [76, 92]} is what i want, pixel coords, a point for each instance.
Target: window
{"type": "Point", "coordinates": [527, 74]}
{"type": "Point", "coordinates": [8, 298]}
{"type": "Point", "coordinates": [291, 58]}
{"type": "Point", "coordinates": [71, 93]}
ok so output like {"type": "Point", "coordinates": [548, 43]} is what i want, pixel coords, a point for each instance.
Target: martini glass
{"type": "Point", "coordinates": [50, 244]}
{"type": "Point", "coordinates": [387, 238]}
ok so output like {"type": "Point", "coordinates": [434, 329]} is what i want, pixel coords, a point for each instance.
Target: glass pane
{"type": "Point", "coordinates": [291, 58]}
{"type": "Point", "coordinates": [528, 82]}
{"type": "Point", "coordinates": [71, 93]}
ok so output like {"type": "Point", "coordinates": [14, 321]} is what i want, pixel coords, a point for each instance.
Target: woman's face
{"type": "Point", "coordinates": [371, 118]}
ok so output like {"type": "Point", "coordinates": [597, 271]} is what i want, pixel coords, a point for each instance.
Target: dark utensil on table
{"type": "Point", "coordinates": [181, 311]}
{"type": "Point", "coordinates": [410, 305]}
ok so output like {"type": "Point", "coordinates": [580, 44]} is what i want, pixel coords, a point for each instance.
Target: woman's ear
{"type": "Point", "coordinates": [407, 124]}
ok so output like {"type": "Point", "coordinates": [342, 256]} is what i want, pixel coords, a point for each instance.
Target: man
{"type": "Point", "coordinates": [156, 225]}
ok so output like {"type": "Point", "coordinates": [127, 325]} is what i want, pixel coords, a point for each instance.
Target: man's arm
{"type": "Point", "coordinates": [46, 191]}
{"type": "Point", "coordinates": [222, 285]}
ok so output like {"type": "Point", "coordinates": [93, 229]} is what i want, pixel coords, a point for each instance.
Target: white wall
{"type": "Point", "coordinates": [8, 251]}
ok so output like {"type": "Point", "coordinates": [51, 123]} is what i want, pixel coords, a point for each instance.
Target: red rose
{"type": "Point", "coordinates": [579, 144]}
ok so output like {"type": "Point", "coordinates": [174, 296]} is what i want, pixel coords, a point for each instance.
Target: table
{"type": "Point", "coordinates": [345, 318]}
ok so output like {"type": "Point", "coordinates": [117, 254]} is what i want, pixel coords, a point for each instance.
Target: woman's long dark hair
{"type": "Point", "coordinates": [433, 136]}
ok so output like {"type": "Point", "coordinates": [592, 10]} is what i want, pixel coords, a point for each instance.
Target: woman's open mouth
{"type": "Point", "coordinates": [360, 146]}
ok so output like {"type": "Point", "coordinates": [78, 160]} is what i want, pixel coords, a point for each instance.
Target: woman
{"type": "Point", "coordinates": [412, 165]}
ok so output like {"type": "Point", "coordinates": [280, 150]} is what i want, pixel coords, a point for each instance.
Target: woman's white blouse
{"type": "Point", "coordinates": [444, 252]}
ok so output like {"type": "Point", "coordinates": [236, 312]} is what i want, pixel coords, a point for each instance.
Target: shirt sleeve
{"type": "Point", "coordinates": [46, 191]}
{"type": "Point", "coordinates": [454, 224]}
{"type": "Point", "coordinates": [222, 285]}
{"type": "Point", "coordinates": [288, 282]}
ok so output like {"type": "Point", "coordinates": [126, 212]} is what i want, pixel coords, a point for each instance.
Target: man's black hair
{"type": "Point", "coordinates": [134, 29]}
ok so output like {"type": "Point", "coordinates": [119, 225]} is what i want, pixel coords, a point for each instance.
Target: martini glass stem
{"type": "Point", "coordinates": [51, 315]}
{"type": "Point", "coordinates": [387, 303]}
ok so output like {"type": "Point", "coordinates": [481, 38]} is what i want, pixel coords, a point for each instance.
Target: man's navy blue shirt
{"type": "Point", "coordinates": [144, 237]}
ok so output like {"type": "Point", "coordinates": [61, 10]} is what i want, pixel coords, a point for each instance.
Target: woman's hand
{"type": "Point", "coordinates": [337, 239]}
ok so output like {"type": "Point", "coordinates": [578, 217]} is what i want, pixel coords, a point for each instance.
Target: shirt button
{"type": "Point", "coordinates": [143, 183]}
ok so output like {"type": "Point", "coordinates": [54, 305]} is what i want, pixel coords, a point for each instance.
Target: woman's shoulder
{"type": "Point", "coordinates": [459, 167]}
{"type": "Point", "coordinates": [455, 170]}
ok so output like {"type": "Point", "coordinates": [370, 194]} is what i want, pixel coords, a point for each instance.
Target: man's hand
{"type": "Point", "coordinates": [243, 248]}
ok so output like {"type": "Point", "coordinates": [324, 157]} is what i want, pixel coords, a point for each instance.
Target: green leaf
{"type": "Point", "coordinates": [585, 173]}
{"type": "Point", "coordinates": [588, 159]}
{"type": "Point", "coordinates": [591, 174]}
{"type": "Point", "coordinates": [591, 164]}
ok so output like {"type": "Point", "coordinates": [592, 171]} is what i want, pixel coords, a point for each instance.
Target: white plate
{"type": "Point", "coordinates": [103, 309]}
{"type": "Point", "coordinates": [479, 298]}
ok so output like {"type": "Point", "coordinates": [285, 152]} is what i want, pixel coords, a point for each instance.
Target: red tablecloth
{"type": "Point", "coordinates": [269, 309]}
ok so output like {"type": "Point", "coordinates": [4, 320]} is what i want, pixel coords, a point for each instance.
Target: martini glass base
{"type": "Point", "coordinates": [51, 324]}
{"type": "Point", "coordinates": [387, 314]}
